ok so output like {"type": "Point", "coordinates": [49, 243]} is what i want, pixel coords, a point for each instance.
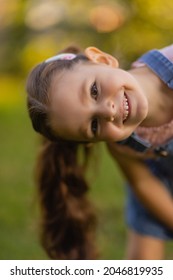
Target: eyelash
{"type": "Point", "coordinates": [94, 91]}
{"type": "Point", "coordinates": [94, 94]}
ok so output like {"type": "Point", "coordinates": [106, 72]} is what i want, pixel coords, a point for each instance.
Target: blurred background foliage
{"type": "Point", "coordinates": [31, 31]}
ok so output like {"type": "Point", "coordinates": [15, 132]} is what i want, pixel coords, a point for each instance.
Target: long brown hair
{"type": "Point", "coordinates": [67, 219]}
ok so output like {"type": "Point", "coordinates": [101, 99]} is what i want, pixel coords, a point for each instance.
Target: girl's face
{"type": "Point", "coordinates": [96, 101]}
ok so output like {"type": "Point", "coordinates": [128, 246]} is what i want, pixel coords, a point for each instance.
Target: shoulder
{"type": "Point", "coordinates": [168, 52]}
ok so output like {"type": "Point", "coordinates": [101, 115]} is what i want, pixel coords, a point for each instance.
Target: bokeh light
{"type": "Point", "coordinates": [43, 14]}
{"type": "Point", "coordinates": [106, 18]}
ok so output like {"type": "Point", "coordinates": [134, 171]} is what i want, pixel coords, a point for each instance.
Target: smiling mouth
{"type": "Point", "coordinates": [125, 108]}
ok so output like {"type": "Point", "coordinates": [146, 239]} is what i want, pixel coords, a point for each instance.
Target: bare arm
{"type": "Point", "coordinates": [149, 189]}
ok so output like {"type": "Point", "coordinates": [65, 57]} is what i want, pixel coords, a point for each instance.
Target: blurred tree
{"type": "Point", "coordinates": [34, 29]}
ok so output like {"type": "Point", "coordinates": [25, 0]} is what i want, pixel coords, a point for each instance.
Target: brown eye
{"type": "Point", "coordinates": [94, 91]}
{"type": "Point", "coordinates": [94, 126]}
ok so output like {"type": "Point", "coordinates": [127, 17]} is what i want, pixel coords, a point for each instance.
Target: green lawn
{"type": "Point", "coordinates": [18, 207]}
{"type": "Point", "coordinates": [18, 218]}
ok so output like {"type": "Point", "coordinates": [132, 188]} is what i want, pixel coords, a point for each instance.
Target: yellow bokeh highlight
{"type": "Point", "coordinates": [37, 50]}
{"type": "Point", "coordinates": [105, 18]}
{"type": "Point", "coordinates": [12, 92]}
{"type": "Point", "coordinates": [159, 12]}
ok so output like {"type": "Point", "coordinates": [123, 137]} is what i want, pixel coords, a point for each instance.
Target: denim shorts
{"type": "Point", "coordinates": [137, 216]}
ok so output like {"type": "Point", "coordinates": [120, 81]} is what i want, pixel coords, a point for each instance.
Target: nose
{"type": "Point", "coordinates": [107, 110]}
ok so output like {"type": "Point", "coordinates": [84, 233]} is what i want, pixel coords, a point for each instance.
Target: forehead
{"type": "Point", "coordinates": [68, 112]}
{"type": "Point", "coordinates": [73, 78]}
{"type": "Point", "coordinates": [69, 77]}
{"type": "Point", "coordinates": [67, 84]}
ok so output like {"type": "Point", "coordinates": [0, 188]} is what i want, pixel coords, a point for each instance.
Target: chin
{"type": "Point", "coordinates": [143, 110]}
{"type": "Point", "coordinates": [143, 117]}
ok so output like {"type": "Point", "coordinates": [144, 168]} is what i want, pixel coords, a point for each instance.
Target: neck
{"type": "Point", "coordinates": [159, 96]}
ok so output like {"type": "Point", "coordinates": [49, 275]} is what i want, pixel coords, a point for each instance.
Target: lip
{"type": "Point", "coordinates": [127, 99]}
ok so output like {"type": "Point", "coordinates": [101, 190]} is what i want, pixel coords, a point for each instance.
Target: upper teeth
{"type": "Point", "coordinates": [126, 108]}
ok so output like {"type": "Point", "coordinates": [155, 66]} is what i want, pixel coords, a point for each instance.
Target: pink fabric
{"type": "Point", "coordinates": [168, 52]}
{"type": "Point", "coordinates": [157, 135]}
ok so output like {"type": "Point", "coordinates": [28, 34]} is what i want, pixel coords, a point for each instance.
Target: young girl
{"type": "Point", "coordinates": [76, 99]}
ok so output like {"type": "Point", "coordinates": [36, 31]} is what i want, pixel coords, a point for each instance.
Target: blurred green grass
{"type": "Point", "coordinates": [18, 206]}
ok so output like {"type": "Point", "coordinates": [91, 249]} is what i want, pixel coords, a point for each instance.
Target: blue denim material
{"type": "Point", "coordinates": [137, 216]}
{"type": "Point", "coordinates": [160, 64]}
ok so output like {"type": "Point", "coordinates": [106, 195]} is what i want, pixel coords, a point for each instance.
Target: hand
{"type": "Point", "coordinates": [118, 151]}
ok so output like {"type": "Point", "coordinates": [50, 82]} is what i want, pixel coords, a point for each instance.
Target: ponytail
{"type": "Point", "coordinates": [67, 219]}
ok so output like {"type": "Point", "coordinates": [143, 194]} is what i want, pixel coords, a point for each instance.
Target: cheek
{"type": "Point", "coordinates": [113, 85]}
{"type": "Point", "coordinates": [110, 132]}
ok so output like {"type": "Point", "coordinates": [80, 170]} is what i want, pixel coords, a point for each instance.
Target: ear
{"type": "Point", "coordinates": [97, 56]}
